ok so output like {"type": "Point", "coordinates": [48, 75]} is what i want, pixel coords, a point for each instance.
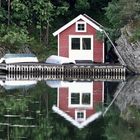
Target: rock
{"type": "Point", "coordinates": [129, 51]}
{"type": "Point", "coordinates": [24, 49]}
{"type": "Point", "coordinates": [129, 97]}
{"type": "Point", "coordinates": [2, 51]}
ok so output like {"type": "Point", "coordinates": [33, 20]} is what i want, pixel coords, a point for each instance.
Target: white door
{"type": "Point", "coordinates": [81, 47]}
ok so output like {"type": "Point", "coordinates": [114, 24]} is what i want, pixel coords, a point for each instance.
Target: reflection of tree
{"type": "Point", "coordinates": [120, 129]}
{"type": "Point", "coordinates": [22, 113]}
{"type": "Point", "coordinates": [62, 129]}
{"type": "Point", "coordinates": [123, 119]}
{"type": "Point", "coordinates": [35, 123]}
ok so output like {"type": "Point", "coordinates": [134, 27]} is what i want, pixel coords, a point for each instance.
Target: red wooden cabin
{"type": "Point", "coordinates": [79, 102]}
{"type": "Point", "coordinates": [78, 40]}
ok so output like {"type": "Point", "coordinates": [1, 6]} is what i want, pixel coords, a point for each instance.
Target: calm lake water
{"type": "Point", "coordinates": [69, 110]}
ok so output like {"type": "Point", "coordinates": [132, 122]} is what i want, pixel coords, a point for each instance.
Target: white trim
{"type": "Point", "coordinates": [81, 36]}
{"type": "Point", "coordinates": [103, 53]}
{"type": "Point", "coordinates": [58, 45]}
{"type": "Point", "coordinates": [103, 91]}
{"type": "Point", "coordinates": [80, 22]}
{"type": "Point", "coordinates": [58, 97]}
{"type": "Point", "coordinates": [75, 20]}
{"type": "Point", "coordinates": [74, 122]}
{"type": "Point", "coordinates": [80, 119]}
{"type": "Point", "coordinates": [73, 53]}
{"type": "Point", "coordinates": [80, 105]}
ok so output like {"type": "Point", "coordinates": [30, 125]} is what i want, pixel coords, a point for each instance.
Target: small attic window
{"type": "Point", "coordinates": [80, 115]}
{"type": "Point", "coordinates": [80, 26]}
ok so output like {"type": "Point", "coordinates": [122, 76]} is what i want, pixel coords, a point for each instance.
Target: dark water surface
{"type": "Point", "coordinates": [69, 110]}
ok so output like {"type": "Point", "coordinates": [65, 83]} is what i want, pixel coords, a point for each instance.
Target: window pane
{"type": "Point", "coordinates": [81, 27]}
{"type": "Point", "coordinates": [86, 98]}
{"type": "Point", "coordinates": [80, 115]}
{"type": "Point", "coordinates": [86, 43]}
{"type": "Point", "coordinates": [75, 98]}
{"type": "Point", "coordinates": [75, 43]}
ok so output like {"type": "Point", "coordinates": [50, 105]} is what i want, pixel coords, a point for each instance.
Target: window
{"type": "Point", "coordinates": [75, 43]}
{"type": "Point", "coordinates": [80, 26]}
{"type": "Point", "coordinates": [75, 98]}
{"type": "Point", "coordinates": [80, 115]}
{"type": "Point", "coordinates": [82, 43]}
{"type": "Point", "coordinates": [80, 98]}
{"type": "Point", "coordinates": [86, 43]}
{"type": "Point", "coordinates": [86, 98]}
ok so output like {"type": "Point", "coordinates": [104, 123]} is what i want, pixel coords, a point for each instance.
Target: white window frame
{"type": "Point", "coordinates": [81, 22]}
{"type": "Point", "coordinates": [80, 104]}
{"type": "Point", "coordinates": [80, 36]}
{"type": "Point", "coordinates": [80, 111]}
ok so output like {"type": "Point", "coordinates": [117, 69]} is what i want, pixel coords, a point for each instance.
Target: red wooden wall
{"type": "Point", "coordinates": [64, 42]}
{"type": "Point", "coordinates": [97, 99]}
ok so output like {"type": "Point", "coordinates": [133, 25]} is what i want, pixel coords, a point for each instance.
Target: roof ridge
{"type": "Point", "coordinates": [89, 20]}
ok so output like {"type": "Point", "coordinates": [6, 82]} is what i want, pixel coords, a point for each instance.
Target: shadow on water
{"type": "Point", "coordinates": [53, 109]}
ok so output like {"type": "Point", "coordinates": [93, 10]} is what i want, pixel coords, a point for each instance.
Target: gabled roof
{"type": "Point", "coordinates": [74, 122]}
{"type": "Point", "coordinates": [85, 18]}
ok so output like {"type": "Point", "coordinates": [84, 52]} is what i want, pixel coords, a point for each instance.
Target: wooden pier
{"type": "Point", "coordinates": [66, 71]}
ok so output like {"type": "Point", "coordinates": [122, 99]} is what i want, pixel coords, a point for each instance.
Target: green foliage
{"type": "Point", "coordinates": [124, 12]}
{"type": "Point", "coordinates": [82, 5]}
{"type": "Point", "coordinates": [14, 37]}
{"type": "Point", "coordinates": [3, 15]}
{"type": "Point", "coordinates": [19, 105]}
{"type": "Point", "coordinates": [29, 17]}
{"type": "Point", "coordinates": [112, 13]}
{"type": "Point", "coordinates": [129, 10]}
{"type": "Point", "coordinates": [44, 10]}
{"type": "Point", "coordinates": [136, 35]}
{"type": "Point", "coordinates": [119, 129]}
{"type": "Point", "coordinates": [20, 12]}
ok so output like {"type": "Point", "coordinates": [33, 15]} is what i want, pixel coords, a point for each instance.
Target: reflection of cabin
{"type": "Point", "coordinates": [80, 102]}
{"type": "Point", "coordinates": [77, 40]}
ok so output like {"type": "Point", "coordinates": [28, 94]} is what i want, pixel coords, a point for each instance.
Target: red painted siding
{"type": "Point", "coordinates": [63, 98]}
{"type": "Point", "coordinates": [64, 42]}
{"type": "Point", "coordinates": [90, 112]}
{"type": "Point", "coordinates": [63, 102]}
{"type": "Point", "coordinates": [63, 45]}
{"type": "Point", "coordinates": [98, 51]}
{"type": "Point", "coordinates": [97, 92]}
{"type": "Point", "coordinates": [97, 99]}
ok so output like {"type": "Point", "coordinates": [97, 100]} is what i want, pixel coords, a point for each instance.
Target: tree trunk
{"type": "Point", "coordinates": [40, 35]}
{"type": "Point", "coordinates": [46, 39]}
{"type": "Point", "coordinates": [40, 32]}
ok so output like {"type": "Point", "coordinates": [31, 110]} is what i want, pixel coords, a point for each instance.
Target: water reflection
{"type": "Point", "coordinates": [36, 109]}
{"type": "Point", "coordinates": [79, 102]}
{"type": "Point", "coordinates": [16, 84]}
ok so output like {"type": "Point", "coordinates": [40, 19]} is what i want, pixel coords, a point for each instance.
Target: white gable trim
{"type": "Point", "coordinates": [103, 52]}
{"type": "Point", "coordinates": [74, 122]}
{"type": "Point", "coordinates": [103, 90]}
{"type": "Point", "coordinates": [58, 47]}
{"type": "Point", "coordinates": [74, 21]}
{"type": "Point", "coordinates": [58, 96]}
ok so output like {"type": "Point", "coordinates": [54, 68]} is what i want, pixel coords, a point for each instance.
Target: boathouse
{"type": "Point", "coordinates": [78, 40]}
{"type": "Point", "coordinates": [77, 104]}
